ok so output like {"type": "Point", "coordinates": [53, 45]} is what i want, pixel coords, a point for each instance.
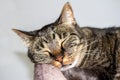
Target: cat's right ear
{"type": "Point", "coordinates": [25, 36]}
{"type": "Point", "coordinates": [66, 15]}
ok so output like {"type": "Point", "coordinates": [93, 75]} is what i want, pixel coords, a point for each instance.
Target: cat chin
{"type": "Point", "coordinates": [67, 67]}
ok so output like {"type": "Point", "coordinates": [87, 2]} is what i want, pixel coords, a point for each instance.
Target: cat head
{"type": "Point", "coordinates": [56, 43]}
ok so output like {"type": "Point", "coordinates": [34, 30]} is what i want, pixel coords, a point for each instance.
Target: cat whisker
{"type": "Point", "coordinates": [90, 44]}
{"type": "Point", "coordinates": [93, 51]}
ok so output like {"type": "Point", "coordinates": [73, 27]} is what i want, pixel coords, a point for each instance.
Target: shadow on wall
{"type": "Point", "coordinates": [28, 64]}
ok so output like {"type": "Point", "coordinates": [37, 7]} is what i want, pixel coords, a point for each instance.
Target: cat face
{"type": "Point", "coordinates": [57, 43]}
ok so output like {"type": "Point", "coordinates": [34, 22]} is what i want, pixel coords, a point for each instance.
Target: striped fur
{"type": "Point", "coordinates": [80, 49]}
{"type": "Point", "coordinates": [83, 53]}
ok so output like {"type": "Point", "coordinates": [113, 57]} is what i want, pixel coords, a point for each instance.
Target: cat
{"type": "Point", "coordinates": [77, 51]}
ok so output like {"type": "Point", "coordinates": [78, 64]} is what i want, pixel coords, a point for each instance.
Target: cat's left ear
{"type": "Point", "coordinates": [25, 36]}
{"type": "Point", "coordinates": [66, 15]}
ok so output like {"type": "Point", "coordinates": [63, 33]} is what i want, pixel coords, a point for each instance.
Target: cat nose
{"type": "Point", "coordinates": [59, 58]}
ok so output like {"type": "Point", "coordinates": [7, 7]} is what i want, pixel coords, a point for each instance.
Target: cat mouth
{"type": "Point", "coordinates": [66, 67]}
{"type": "Point", "coordinates": [65, 63]}
{"type": "Point", "coordinates": [61, 66]}
{"type": "Point", "coordinates": [70, 65]}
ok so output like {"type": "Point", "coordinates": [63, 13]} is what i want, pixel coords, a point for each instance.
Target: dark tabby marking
{"type": "Point", "coordinates": [81, 53]}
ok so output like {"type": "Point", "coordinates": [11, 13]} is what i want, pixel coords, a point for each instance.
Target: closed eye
{"type": "Point", "coordinates": [72, 44]}
{"type": "Point", "coordinates": [51, 55]}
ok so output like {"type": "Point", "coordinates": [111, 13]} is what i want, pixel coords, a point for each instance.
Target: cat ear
{"type": "Point", "coordinates": [25, 36]}
{"type": "Point", "coordinates": [67, 15]}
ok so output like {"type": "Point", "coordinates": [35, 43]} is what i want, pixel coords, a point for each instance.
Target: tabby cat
{"type": "Point", "coordinates": [79, 52]}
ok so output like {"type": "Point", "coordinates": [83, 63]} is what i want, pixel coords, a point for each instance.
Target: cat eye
{"type": "Point", "coordinates": [72, 45]}
{"type": "Point", "coordinates": [51, 55]}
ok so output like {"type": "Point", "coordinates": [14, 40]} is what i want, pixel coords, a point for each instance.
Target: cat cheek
{"type": "Point", "coordinates": [56, 64]}
{"type": "Point", "coordinates": [67, 60]}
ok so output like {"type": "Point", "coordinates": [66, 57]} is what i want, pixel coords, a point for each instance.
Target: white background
{"type": "Point", "coordinates": [33, 14]}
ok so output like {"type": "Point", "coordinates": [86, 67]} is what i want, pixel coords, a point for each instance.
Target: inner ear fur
{"type": "Point", "coordinates": [27, 37]}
